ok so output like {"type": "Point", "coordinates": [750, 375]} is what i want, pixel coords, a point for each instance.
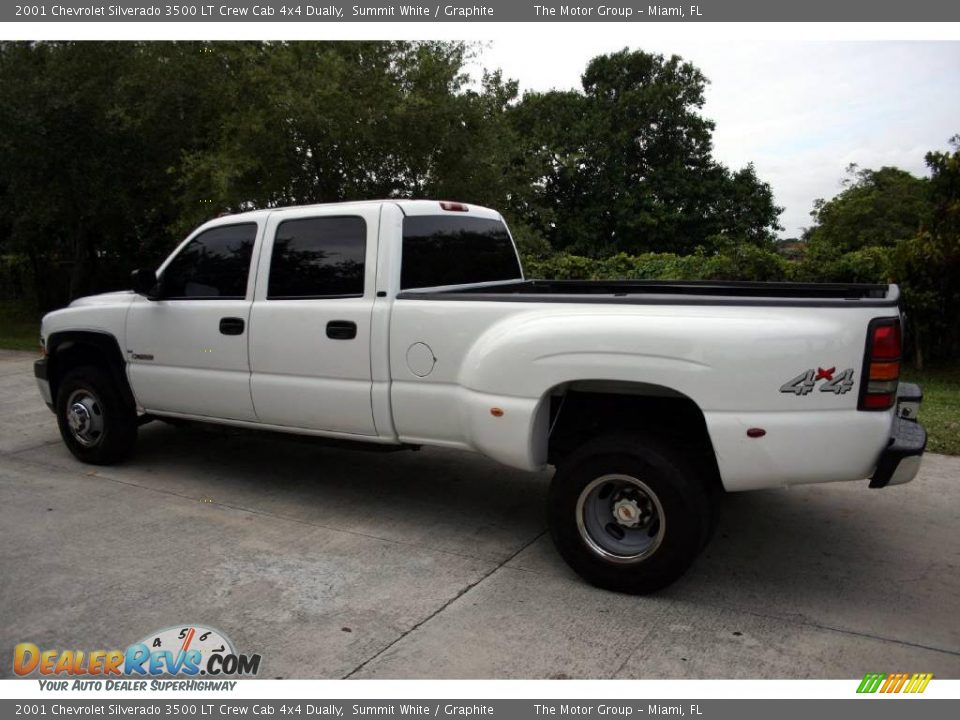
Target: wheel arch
{"type": "Point", "coordinates": [69, 349]}
{"type": "Point", "coordinates": [574, 412]}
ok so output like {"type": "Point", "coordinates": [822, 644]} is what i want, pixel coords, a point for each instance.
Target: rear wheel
{"type": "Point", "coordinates": [95, 423]}
{"type": "Point", "coordinates": [628, 513]}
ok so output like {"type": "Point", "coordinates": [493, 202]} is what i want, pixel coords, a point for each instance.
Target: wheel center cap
{"type": "Point", "coordinates": [78, 417]}
{"type": "Point", "coordinates": [626, 512]}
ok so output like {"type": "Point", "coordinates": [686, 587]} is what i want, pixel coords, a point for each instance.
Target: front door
{"type": "Point", "coordinates": [187, 350]}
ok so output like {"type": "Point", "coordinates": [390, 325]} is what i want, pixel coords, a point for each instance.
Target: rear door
{"type": "Point", "coordinates": [187, 351]}
{"type": "Point", "coordinates": [311, 318]}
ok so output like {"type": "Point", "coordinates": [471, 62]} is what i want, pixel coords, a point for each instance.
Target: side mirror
{"type": "Point", "coordinates": [144, 283]}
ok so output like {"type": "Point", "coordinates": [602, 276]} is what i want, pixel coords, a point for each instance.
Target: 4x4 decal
{"type": "Point", "coordinates": [804, 383]}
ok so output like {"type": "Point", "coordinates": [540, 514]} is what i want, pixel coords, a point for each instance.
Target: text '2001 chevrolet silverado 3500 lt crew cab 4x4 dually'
{"type": "Point", "coordinates": [409, 323]}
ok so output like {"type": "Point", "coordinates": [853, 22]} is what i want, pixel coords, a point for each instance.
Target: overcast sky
{"type": "Point", "coordinates": [800, 111]}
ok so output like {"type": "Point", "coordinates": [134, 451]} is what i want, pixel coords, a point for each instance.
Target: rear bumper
{"type": "Point", "coordinates": [900, 460]}
{"type": "Point", "coordinates": [40, 369]}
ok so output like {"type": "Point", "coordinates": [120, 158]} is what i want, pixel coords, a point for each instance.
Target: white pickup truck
{"type": "Point", "coordinates": [409, 323]}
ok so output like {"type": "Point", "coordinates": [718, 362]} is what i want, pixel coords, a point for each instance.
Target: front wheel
{"type": "Point", "coordinates": [95, 423]}
{"type": "Point", "coordinates": [628, 513]}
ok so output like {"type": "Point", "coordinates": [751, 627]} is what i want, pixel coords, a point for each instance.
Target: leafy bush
{"type": "Point", "coordinates": [745, 262]}
{"type": "Point", "coordinates": [873, 264]}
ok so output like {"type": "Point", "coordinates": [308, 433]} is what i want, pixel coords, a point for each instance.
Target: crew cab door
{"type": "Point", "coordinates": [187, 349]}
{"type": "Point", "coordinates": [311, 317]}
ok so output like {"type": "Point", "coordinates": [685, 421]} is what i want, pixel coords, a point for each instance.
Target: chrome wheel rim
{"type": "Point", "coordinates": [620, 518]}
{"type": "Point", "coordinates": [85, 417]}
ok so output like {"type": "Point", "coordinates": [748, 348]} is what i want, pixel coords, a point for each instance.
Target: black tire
{"type": "Point", "coordinates": [648, 474]}
{"type": "Point", "coordinates": [108, 429]}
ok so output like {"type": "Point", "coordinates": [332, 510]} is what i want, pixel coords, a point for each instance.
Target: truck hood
{"type": "Point", "coordinates": [110, 298]}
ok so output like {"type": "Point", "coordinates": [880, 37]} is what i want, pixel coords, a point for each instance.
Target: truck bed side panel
{"type": "Point", "coordinates": [730, 360]}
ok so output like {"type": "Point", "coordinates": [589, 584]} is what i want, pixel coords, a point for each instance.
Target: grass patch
{"type": "Point", "coordinates": [940, 411]}
{"type": "Point", "coordinates": [19, 327]}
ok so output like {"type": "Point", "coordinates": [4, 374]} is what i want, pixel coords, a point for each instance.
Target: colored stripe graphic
{"type": "Point", "coordinates": [894, 682]}
{"type": "Point", "coordinates": [919, 682]}
{"type": "Point", "coordinates": [899, 683]}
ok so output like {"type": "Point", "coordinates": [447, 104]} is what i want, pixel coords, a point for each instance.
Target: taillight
{"type": "Point", "coordinates": [453, 206]}
{"type": "Point", "coordinates": [881, 365]}
{"type": "Point", "coordinates": [886, 341]}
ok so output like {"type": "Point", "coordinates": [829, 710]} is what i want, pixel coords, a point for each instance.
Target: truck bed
{"type": "Point", "coordinates": [658, 292]}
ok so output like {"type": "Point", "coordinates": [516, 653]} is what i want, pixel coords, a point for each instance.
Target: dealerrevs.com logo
{"type": "Point", "coordinates": [178, 651]}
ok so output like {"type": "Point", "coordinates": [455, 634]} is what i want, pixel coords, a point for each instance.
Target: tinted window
{"type": "Point", "coordinates": [215, 264]}
{"type": "Point", "coordinates": [318, 257]}
{"type": "Point", "coordinates": [454, 250]}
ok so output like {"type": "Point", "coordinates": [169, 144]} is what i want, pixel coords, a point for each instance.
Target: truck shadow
{"type": "Point", "coordinates": [441, 499]}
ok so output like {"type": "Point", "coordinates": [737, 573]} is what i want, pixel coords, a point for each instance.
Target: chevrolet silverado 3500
{"type": "Point", "coordinates": [409, 323]}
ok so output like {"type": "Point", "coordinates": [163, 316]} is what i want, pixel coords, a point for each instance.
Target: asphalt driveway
{"type": "Point", "coordinates": [333, 563]}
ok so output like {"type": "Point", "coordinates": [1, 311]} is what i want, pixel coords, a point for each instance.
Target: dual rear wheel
{"type": "Point", "coordinates": [629, 513]}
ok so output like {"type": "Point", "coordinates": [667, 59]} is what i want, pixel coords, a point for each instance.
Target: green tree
{"type": "Point", "coordinates": [887, 225]}
{"type": "Point", "coordinates": [109, 152]}
{"type": "Point", "coordinates": [626, 164]}
{"type": "Point", "coordinates": [58, 188]}
{"type": "Point", "coordinates": [324, 122]}
{"type": "Point", "coordinates": [91, 135]}
{"type": "Point", "coordinates": [928, 265]}
{"type": "Point", "coordinates": [875, 208]}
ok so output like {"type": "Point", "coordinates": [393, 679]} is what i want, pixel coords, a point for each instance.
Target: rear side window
{"type": "Point", "coordinates": [318, 258]}
{"type": "Point", "coordinates": [215, 264]}
{"type": "Point", "coordinates": [455, 250]}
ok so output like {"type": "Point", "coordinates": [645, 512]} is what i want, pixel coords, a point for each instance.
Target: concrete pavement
{"type": "Point", "coordinates": [337, 563]}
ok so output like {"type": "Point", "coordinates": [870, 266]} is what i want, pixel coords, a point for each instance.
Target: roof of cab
{"type": "Point", "coordinates": [408, 207]}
